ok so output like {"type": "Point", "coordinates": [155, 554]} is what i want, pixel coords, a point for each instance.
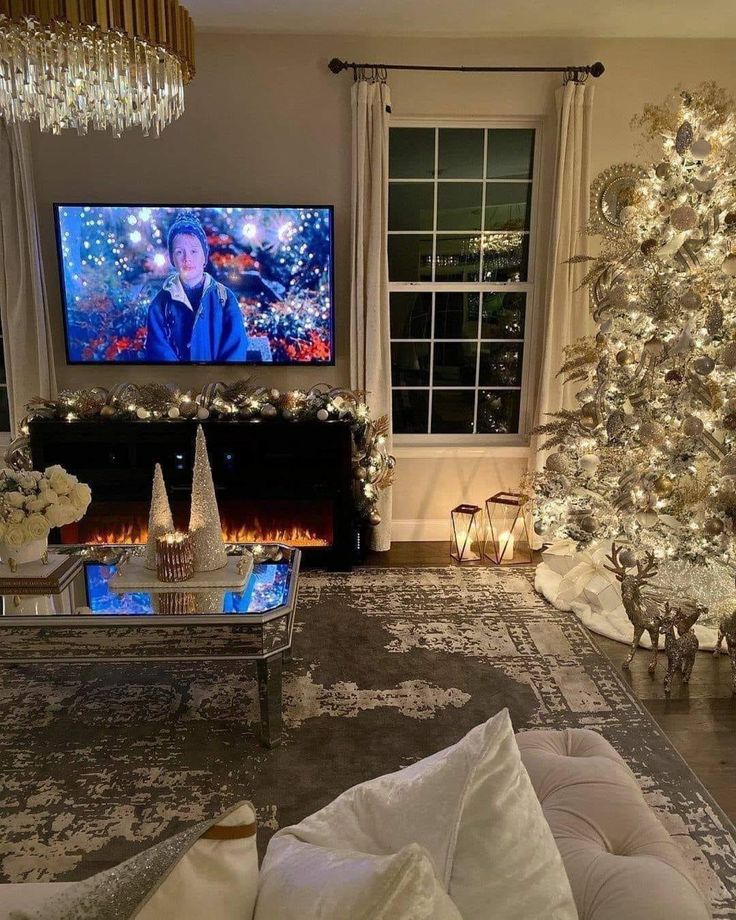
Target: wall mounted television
{"type": "Point", "coordinates": [157, 284]}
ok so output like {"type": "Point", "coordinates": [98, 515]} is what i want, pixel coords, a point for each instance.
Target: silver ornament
{"type": "Point", "coordinates": [627, 558]}
{"type": "Point", "coordinates": [713, 527]}
{"type": "Point", "coordinates": [700, 148]}
{"type": "Point", "coordinates": [690, 301]}
{"type": "Point", "coordinates": [589, 463]}
{"type": "Point", "coordinates": [704, 365]}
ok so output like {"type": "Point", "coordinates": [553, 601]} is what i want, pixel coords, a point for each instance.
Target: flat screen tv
{"type": "Point", "coordinates": [156, 284]}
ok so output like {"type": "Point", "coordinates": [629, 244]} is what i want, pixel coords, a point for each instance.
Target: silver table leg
{"type": "Point", "coordinates": [269, 696]}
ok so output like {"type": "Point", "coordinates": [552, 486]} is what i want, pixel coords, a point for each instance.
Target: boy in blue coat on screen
{"type": "Point", "coordinates": [193, 317]}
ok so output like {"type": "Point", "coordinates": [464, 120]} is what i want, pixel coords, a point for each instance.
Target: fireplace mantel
{"type": "Point", "coordinates": [293, 475]}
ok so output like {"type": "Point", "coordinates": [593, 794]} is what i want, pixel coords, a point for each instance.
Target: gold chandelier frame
{"type": "Point", "coordinates": [162, 24]}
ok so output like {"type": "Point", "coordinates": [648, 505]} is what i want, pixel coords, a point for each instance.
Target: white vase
{"type": "Point", "coordinates": [19, 555]}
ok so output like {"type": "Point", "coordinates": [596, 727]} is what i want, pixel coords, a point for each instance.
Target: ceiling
{"type": "Point", "coordinates": [472, 18]}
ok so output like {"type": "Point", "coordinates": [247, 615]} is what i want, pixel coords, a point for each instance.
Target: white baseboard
{"type": "Point", "coordinates": [420, 530]}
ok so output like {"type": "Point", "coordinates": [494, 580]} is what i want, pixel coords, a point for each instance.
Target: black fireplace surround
{"type": "Point", "coordinates": [274, 479]}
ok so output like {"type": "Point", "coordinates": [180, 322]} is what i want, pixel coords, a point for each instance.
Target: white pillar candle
{"type": "Point", "coordinates": [506, 546]}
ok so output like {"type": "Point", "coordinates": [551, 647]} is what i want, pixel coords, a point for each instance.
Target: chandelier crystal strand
{"type": "Point", "coordinates": [126, 70]}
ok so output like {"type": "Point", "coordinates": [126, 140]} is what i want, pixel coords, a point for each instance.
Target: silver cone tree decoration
{"type": "Point", "coordinates": [204, 519]}
{"type": "Point", "coordinates": [160, 520]}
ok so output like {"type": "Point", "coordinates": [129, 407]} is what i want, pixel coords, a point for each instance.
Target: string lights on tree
{"type": "Point", "coordinates": [648, 453]}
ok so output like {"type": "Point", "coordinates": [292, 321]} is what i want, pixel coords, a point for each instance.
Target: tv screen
{"type": "Point", "coordinates": [144, 284]}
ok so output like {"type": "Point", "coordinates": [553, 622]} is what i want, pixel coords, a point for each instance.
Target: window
{"type": "Point", "coordinates": [460, 223]}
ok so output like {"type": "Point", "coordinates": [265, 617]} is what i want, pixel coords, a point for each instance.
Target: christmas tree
{"type": "Point", "coordinates": [648, 455]}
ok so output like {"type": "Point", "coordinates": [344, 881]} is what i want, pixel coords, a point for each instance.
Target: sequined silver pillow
{"type": "Point", "coordinates": [121, 892]}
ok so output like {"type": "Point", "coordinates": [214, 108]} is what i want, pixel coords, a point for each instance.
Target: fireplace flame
{"type": "Point", "coordinates": [289, 535]}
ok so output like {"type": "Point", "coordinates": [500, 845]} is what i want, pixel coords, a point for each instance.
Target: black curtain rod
{"type": "Point", "coordinates": [337, 66]}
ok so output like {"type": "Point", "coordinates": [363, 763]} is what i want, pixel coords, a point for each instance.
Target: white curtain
{"type": "Point", "coordinates": [29, 362]}
{"type": "Point", "coordinates": [567, 317]}
{"type": "Point", "coordinates": [370, 356]}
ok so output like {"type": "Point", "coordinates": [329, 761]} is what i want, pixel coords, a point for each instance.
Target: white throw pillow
{"type": "Point", "coordinates": [208, 870]}
{"type": "Point", "coordinates": [217, 877]}
{"type": "Point", "coordinates": [307, 882]}
{"type": "Point", "coordinates": [473, 808]}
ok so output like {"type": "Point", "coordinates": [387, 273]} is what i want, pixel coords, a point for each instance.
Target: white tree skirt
{"type": "Point", "coordinates": [566, 593]}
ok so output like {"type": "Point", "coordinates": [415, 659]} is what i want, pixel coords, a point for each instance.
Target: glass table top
{"type": "Point", "coordinates": [270, 589]}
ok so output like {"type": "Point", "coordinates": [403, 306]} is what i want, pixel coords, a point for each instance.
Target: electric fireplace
{"type": "Point", "coordinates": [276, 481]}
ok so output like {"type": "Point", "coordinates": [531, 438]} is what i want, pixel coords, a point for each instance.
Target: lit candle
{"type": "Point", "coordinates": [174, 557]}
{"type": "Point", "coordinates": [506, 546]}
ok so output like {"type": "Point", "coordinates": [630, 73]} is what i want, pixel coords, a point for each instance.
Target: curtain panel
{"type": "Point", "coordinates": [568, 314]}
{"type": "Point", "coordinates": [370, 350]}
{"type": "Point", "coordinates": [29, 364]}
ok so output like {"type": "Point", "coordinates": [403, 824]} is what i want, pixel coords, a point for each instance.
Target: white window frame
{"type": "Point", "coordinates": [531, 287]}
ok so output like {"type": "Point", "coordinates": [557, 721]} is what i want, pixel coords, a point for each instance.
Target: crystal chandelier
{"type": "Point", "coordinates": [113, 64]}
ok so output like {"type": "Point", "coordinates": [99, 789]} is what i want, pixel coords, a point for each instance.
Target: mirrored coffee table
{"type": "Point", "coordinates": [86, 620]}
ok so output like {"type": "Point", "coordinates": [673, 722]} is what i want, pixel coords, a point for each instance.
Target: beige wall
{"type": "Point", "coordinates": [266, 122]}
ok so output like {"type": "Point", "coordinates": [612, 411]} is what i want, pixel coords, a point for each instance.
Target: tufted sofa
{"type": "Point", "coordinates": [620, 861]}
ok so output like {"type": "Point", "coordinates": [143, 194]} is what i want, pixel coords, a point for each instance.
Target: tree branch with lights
{"type": "Point", "coordinates": [648, 453]}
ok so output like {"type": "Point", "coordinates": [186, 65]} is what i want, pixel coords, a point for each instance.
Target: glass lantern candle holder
{"type": "Point", "coordinates": [508, 539]}
{"type": "Point", "coordinates": [466, 544]}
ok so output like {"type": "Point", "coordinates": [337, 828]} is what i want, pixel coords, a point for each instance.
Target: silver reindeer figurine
{"type": "Point", "coordinates": [642, 611]}
{"type": "Point", "coordinates": [727, 631]}
{"type": "Point", "coordinates": [680, 643]}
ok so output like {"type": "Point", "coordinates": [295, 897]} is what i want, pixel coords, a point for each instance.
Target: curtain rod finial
{"type": "Point", "coordinates": [597, 69]}
{"type": "Point", "coordinates": [336, 65]}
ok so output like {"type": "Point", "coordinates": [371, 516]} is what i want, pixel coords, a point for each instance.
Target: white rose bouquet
{"type": "Point", "coordinates": [31, 503]}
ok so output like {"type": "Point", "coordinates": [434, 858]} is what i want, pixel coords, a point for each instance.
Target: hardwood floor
{"type": "Point", "coordinates": [699, 719]}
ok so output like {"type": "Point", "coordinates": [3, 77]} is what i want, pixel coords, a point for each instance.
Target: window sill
{"type": "Point", "coordinates": [417, 450]}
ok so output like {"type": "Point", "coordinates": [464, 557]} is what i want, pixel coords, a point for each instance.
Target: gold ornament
{"type": "Point", "coordinates": [588, 417]}
{"type": "Point", "coordinates": [692, 426]}
{"type": "Point", "coordinates": [625, 356]}
{"type": "Point", "coordinates": [684, 218]}
{"type": "Point", "coordinates": [663, 485]}
{"type": "Point", "coordinates": [611, 194]}
{"type": "Point", "coordinates": [729, 265]}
{"type": "Point", "coordinates": [651, 432]}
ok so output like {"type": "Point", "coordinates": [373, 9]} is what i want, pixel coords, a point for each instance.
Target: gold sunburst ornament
{"type": "Point", "coordinates": [103, 64]}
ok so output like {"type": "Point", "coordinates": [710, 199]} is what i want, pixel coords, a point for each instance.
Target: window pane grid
{"type": "Point", "coordinates": [478, 247]}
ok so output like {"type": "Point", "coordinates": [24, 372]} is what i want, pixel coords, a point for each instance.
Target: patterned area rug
{"type": "Point", "coordinates": [389, 665]}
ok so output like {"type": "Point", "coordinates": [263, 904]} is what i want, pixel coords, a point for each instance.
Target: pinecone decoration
{"type": "Point", "coordinates": [156, 398]}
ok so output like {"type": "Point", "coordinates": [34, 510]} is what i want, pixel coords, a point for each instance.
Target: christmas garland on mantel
{"type": "Point", "coordinates": [373, 466]}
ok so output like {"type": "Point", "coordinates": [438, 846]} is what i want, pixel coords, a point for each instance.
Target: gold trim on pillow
{"type": "Point", "coordinates": [229, 832]}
